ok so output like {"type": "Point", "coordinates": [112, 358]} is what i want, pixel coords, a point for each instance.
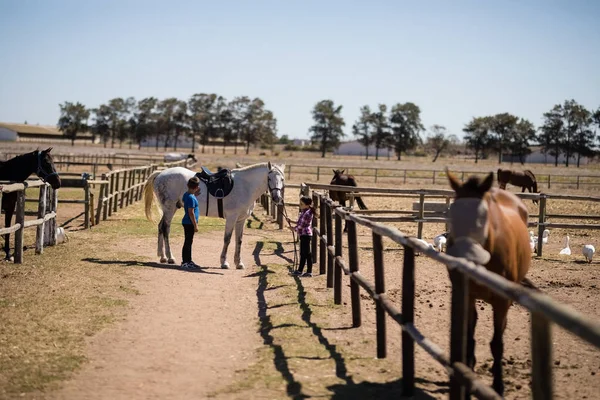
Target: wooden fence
{"type": "Point", "coordinates": [544, 311]}
{"type": "Point", "coordinates": [46, 216]}
{"type": "Point", "coordinates": [435, 177]}
{"type": "Point", "coordinates": [422, 216]}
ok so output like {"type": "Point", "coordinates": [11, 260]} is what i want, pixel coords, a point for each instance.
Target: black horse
{"type": "Point", "coordinates": [339, 178]}
{"type": "Point", "coordinates": [18, 169]}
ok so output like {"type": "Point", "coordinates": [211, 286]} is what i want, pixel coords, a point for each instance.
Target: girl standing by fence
{"type": "Point", "coordinates": [304, 229]}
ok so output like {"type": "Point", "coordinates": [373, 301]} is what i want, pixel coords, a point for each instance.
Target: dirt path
{"type": "Point", "coordinates": [185, 336]}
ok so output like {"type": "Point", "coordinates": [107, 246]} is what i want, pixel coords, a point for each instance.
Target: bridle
{"type": "Point", "coordinates": [272, 189]}
{"type": "Point", "coordinates": [43, 175]}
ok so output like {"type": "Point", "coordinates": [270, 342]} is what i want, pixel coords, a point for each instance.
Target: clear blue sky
{"type": "Point", "coordinates": [455, 59]}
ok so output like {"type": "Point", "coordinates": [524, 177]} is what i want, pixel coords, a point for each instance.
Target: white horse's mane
{"type": "Point", "coordinates": [259, 165]}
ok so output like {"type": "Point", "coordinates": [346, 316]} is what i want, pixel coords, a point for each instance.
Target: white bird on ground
{"type": "Point", "coordinates": [545, 236]}
{"type": "Point", "coordinates": [588, 252]}
{"type": "Point", "coordinates": [439, 242]}
{"type": "Point", "coordinates": [532, 241]}
{"type": "Point", "coordinates": [567, 250]}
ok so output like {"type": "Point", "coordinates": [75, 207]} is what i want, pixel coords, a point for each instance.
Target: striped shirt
{"type": "Point", "coordinates": [304, 224]}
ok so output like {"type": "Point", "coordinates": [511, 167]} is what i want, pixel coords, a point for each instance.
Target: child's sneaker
{"type": "Point", "coordinates": [307, 275]}
{"type": "Point", "coordinates": [296, 273]}
{"type": "Point", "coordinates": [186, 265]}
{"type": "Point", "coordinates": [193, 265]}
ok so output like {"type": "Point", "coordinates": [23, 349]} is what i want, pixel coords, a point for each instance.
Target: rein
{"type": "Point", "coordinates": [285, 215]}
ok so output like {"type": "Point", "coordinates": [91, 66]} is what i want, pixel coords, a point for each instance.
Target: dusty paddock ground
{"type": "Point", "coordinates": [566, 279]}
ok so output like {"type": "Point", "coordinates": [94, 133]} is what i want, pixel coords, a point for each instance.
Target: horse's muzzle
{"type": "Point", "coordinates": [468, 248]}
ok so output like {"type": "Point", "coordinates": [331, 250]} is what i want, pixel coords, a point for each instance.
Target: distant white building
{"type": "Point", "coordinates": [538, 157]}
{"type": "Point", "coordinates": [354, 148]}
{"type": "Point", "coordinates": [301, 142]}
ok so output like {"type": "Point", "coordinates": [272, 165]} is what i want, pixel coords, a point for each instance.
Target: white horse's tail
{"type": "Point", "coordinates": [149, 196]}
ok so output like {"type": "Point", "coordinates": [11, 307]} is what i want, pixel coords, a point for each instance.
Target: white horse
{"type": "Point", "coordinates": [169, 185]}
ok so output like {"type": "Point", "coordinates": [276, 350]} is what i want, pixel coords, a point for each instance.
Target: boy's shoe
{"type": "Point", "coordinates": [307, 275]}
{"type": "Point", "coordinates": [296, 273]}
{"type": "Point", "coordinates": [187, 265]}
{"type": "Point", "coordinates": [193, 265]}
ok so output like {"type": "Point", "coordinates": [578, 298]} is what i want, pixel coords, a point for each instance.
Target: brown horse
{"type": "Point", "coordinates": [339, 178]}
{"type": "Point", "coordinates": [525, 180]}
{"type": "Point", "coordinates": [488, 226]}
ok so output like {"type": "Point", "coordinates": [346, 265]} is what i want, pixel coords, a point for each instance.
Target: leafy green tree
{"type": "Point", "coordinates": [519, 141]}
{"type": "Point", "coordinates": [73, 120]}
{"type": "Point", "coordinates": [144, 117]}
{"type": "Point", "coordinates": [201, 114]}
{"type": "Point", "coordinates": [327, 130]}
{"type": "Point", "coordinates": [552, 132]}
{"type": "Point", "coordinates": [477, 135]}
{"type": "Point", "coordinates": [284, 139]}
{"type": "Point", "coordinates": [405, 121]}
{"type": "Point", "coordinates": [180, 121]}
{"type": "Point", "coordinates": [584, 137]}
{"type": "Point", "coordinates": [101, 125]}
{"type": "Point", "coordinates": [166, 123]}
{"type": "Point", "coordinates": [439, 140]}
{"type": "Point", "coordinates": [239, 109]}
{"type": "Point", "coordinates": [381, 133]}
{"type": "Point", "coordinates": [362, 129]}
{"type": "Point", "coordinates": [503, 126]}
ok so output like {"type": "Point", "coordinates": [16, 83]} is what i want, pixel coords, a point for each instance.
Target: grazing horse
{"type": "Point", "coordinates": [339, 178]}
{"type": "Point", "coordinates": [525, 179]}
{"type": "Point", "coordinates": [18, 169]}
{"type": "Point", "coordinates": [488, 226]}
{"type": "Point", "coordinates": [249, 183]}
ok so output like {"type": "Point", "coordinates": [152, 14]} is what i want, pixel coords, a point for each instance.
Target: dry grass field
{"type": "Point", "coordinates": [53, 303]}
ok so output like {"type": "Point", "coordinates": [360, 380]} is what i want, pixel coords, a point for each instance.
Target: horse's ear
{"type": "Point", "coordinates": [334, 171]}
{"type": "Point", "coordinates": [48, 150]}
{"type": "Point", "coordinates": [487, 183]}
{"type": "Point", "coordinates": [269, 165]}
{"type": "Point", "coordinates": [342, 171]}
{"type": "Point", "coordinates": [454, 183]}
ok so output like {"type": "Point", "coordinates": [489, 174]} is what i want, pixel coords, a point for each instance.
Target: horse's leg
{"type": "Point", "coordinates": [229, 225]}
{"type": "Point", "coordinates": [343, 204]}
{"type": "Point", "coordinates": [523, 189]}
{"type": "Point", "coordinates": [239, 233]}
{"type": "Point", "coordinates": [497, 345]}
{"type": "Point", "coordinates": [168, 213]}
{"type": "Point", "coordinates": [7, 219]}
{"type": "Point", "coordinates": [160, 248]}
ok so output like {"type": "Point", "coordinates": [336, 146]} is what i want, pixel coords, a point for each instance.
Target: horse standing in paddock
{"type": "Point", "coordinates": [170, 157]}
{"type": "Point", "coordinates": [18, 169]}
{"type": "Point", "coordinates": [339, 178]}
{"type": "Point", "coordinates": [488, 226]}
{"type": "Point", "coordinates": [249, 183]}
{"type": "Point", "coordinates": [525, 180]}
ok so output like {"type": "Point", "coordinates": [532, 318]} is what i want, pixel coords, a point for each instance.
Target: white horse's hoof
{"type": "Point", "coordinates": [225, 265]}
{"type": "Point", "coordinates": [163, 260]}
{"type": "Point", "coordinates": [241, 266]}
{"type": "Point", "coordinates": [171, 261]}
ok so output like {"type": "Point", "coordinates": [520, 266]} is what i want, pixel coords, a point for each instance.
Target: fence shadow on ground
{"type": "Point", "coordinates": [135, 263]}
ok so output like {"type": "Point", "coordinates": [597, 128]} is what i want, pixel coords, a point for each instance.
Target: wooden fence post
{"type": "Point", "coordinates": [379, 289]}
{"type": "Point", "coordinates": [353, 260]}
{"type": "Point", "coordinates": [315, 198]}
{"type": "Point", "coordinates": [117, 193]}
{"type": "Point", "coordinates": [337, 279]}
{"type": "Point", "coordinates": [541, 357]}
{"type": "Point", "coordinates": [87, 205]}
{"type": "Point", "coordinates": [447, 209]}
{"type": "Point", "coordinates": [322, 234]}
{"type": "Point", "coordinates": [549, 176]}
{"type": "Point", "coordinates": [318, 173]}
{"type": "Point", "coordinates": [376, 171]}
{"type": "Point", "coordinates": [290, 172]}
{"type": "Point", "coordinates": [52, 222]}
{"type": "Point", "coordinates": [111, 191]}
{"type": "Point", "coordinates": [433, 177]}
{"type": "Point", "coordinates": [458, 329]}
{"type": "Point", "coordinates": [20, 219]}
{"type": "Point", "coordinates": [329, 235]}
{"type": "Point", "coordinates": [408, 317]}
{"type": "Point", "coordinates": [47, 226]}
{"type": "Point", "coordinates": [123, 192]}
{"type": "Point", "coordinates": [421, 215]}
{"type": "Point", "coordinates": [541, 226]}
{"type": "Point", "coordinates": [577, 182]}
{"type": "Point", "coordinates": [39, 235]}
{"type": "Point", "coordinates": [106, 204]}
{"type": "Point", "coordinates": [404, 176]}
{"type": "Point", "coordinates": [92, 217]}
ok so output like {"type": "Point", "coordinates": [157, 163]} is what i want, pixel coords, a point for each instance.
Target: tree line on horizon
{"type": "Point", "coordinates": [203, 118]}
{"type": "Point", "coordinates": [568, 129]}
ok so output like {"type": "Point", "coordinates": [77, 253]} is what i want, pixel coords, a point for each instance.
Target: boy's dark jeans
{"type": "Point", "coordinates": [186, 252]}
{"type": "Point", "coordinates": [305, 254]}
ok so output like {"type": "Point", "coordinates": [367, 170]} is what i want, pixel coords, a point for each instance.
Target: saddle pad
{"type": "Point", "coordinates": [219, 185]}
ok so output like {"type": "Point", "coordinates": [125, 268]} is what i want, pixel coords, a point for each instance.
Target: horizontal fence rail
{"type": "Point", "coordinates": [543, 309]}
{"type": "Point", "coordinates": [45, 222]}
{"type": "Point", "coordinates": [426, 175]}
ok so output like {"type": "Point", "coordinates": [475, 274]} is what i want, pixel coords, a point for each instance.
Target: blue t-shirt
{"type": "Point", "coordinates": [189, 201]}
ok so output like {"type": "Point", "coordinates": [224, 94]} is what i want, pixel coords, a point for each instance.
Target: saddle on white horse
{"type": "Point", "coordinates": [218, 185]}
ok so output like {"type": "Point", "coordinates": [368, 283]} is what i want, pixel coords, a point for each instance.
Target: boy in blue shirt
{"type": "Point", "coordinates": [191, 211]}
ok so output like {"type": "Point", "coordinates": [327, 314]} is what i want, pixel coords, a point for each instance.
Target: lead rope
{"type": "Point", "coordinates": [285, 215]}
